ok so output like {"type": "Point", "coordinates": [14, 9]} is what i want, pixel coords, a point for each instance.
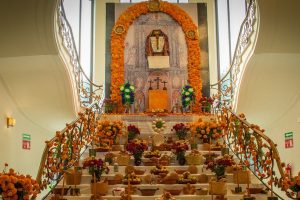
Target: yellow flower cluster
{"type": "Point", "coordinates": [109, 129]}
{"type": "Point", "coordinates": [207, 129]}
{"type": "Point", "coordinates": [118, 38]}
{"type": "Point", "coordinates": [17, 186]}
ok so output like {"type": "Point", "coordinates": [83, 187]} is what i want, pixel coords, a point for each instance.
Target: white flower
{"type": "Point", "coordinates": [127, 96]}
{"type": "Point", "coordinates": [191, 90]}
{"type": "Point", "coordinates": [122, 88]}
{"type": "Point", "coordinates": [127, 90]}
{"type": "Point", "coordinates": [132, 88]}
{"type": "Point", "coordinates": [187, 93]}
{"type": "Point", "coordinates": [187, 99]}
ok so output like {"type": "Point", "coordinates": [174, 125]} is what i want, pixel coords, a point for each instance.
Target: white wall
{"type": "Point", "coordinates": [270, 97]}
{"type": "Point", "coordinates": [11, 152]}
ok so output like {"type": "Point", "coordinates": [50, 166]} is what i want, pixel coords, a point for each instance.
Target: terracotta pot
{"type": "Point", "coordinates": [99, 188]}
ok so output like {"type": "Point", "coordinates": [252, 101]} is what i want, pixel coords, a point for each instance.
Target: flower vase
{"type": "Point", "coordinates": [181, 158]}
{"type": "Point", "coordinates": [219, 171]}
{"type": "Point", "coordinates": [137, 161]}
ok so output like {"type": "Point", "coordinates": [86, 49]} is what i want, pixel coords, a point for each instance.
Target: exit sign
{"type": "Point", "coordinates": [289, 140]}
{"type": "Point", "coordinates": [26, 138]}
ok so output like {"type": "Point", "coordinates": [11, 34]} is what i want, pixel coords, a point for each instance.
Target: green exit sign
{"type": "Point", "coordinates": [26, 137]}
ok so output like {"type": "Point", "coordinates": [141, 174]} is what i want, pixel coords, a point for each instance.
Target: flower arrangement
{"type": "Point", "coordinates": [187, 95]}
{"type": "Point", "coordinates": [179, 148]}
{"type": "Point", "coordinates": [137, 147]}
{"type": "Point", "coordinates": [109, 106]}
{"type": "Point", "coordinates": [133, 132]}
{"type": "Point", "coordinates": [158, 125]}
{"type": "Point", "coordinates": [127, 93]}
{"type": "Point", "coordinates": [109, 130]}
{"type": "Point", "coordinates": [17, 186]}
{"type": "Point", "coordinates": [109, 157]}
{"type": "Point", "coordinates": [206, 103]}
{"type": "Point", "coordinates": [218, 166]}
{"type": "Point", "coordinates": [181, 130]}
{"type": "Point", "coordinates": [208, 130]}
{"type": "Point", "coordinates": [96, 167]}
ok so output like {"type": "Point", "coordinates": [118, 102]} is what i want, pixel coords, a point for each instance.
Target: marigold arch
{"type": "Point", "coordinates": [118, 38]}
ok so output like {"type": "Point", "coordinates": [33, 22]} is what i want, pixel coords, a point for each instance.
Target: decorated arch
{"type": "Point", "coordinates": [120, 30]}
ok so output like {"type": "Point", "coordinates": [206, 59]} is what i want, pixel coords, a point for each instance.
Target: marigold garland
{"type": "Point", "coordinates": [117, 45]}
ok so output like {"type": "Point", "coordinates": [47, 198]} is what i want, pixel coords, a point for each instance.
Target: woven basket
{"type": "Point", "coordinates": [100, 188]}
{"type": "Point", "coordinates": [194, 159]}
{"type": "Point", "coordinates": [123, 159]}
{"type": "Point", "coordinates": [73, 177]}
{"type": "Point", "coordinates": [217, 188]}
{"type": "Point", "coordinates": [241, 177]}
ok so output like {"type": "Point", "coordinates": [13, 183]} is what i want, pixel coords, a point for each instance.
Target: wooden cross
{"type": "Point", "coordinates": [164, 82]}
{"type": "Point", "coordinates": [157, 82]}
{"type": "Point", "coordinates": [150, 82]}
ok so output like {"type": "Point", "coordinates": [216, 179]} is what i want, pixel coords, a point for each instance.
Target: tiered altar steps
{"type": "Point", "coordinates": [86, 193]}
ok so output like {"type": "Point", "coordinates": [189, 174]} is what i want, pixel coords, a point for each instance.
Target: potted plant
{"type": "Point", "coordinates": [96, 168]}
{"type": "Point", "coordinates": [17, 186]}
{"type": "Point", "coordinates": [181, 130]}
{"type": "Point", "coordinates": [137, 147]}
{"type": "Point", "coordinates": [206, 104]}
{"type": "Point", "coordinates": [219, 165]}
{"type": "Point", "coordinates": [179, 148]}
{"type": "Point", "coordinates": [133, 132]}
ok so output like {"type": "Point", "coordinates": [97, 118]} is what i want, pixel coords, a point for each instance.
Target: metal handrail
{"type": "Point", "coordinates": [246, 31]}
{"type": "Point", "coordinates": [255, 150]}
{"type": "Point", "coordinates": [78, 133]}
{"type": "Point", "coordinates": [85, 87]}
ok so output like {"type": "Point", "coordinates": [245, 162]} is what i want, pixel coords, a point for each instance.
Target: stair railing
{"type": "Point", "coordinates": [258, 152]}
{"type": "Point", "coordinates": [64, 150]}
{"type": "Point", "coordinates": [227, 86]}
{"type": "Point", "coordinates": [88, 92]}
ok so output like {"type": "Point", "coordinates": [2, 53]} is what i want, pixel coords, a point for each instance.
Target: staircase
{"type": "Point", "coordinates": [142, 121]}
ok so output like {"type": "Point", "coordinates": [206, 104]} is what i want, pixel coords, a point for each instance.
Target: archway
{"type": "Point", "coordinates": [120, 30]}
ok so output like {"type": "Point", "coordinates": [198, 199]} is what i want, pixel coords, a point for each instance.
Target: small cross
{"type": "Point", "coordinates": [164, 82]}
{"type": "Point", "coordinates": [150, 82]}
{"type": "Point", "coordinates": [157, 82]}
